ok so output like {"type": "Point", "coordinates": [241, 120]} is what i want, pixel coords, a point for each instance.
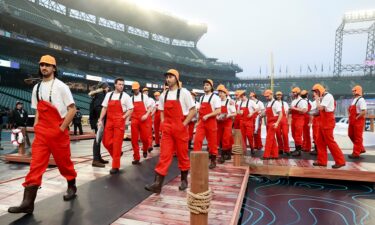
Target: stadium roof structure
{"type": "Point", "coordinates": [129, 13]}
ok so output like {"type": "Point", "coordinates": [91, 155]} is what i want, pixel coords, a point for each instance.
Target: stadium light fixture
{"type": "Point", "coordinates": [360, 15]}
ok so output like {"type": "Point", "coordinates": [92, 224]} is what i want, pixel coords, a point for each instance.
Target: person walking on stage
{"type": "Point", "coordinates": [298, 109]}
{"type": "Point", "coordinates": [157, 119]}
{"type": "Point", "coordinates": [192, 121]}
{"type": "Point", "coordinates": [273, 115]}
{"type": "Point", "coordinates": [326, 105]}
{"type": "Point", "coordinates": [357, 113]}
{"type": "Point", "coordinates": [306, 144]}
{"type": "Point", "coordinates": [177, 109]}
{"type": "Point", "coordinates": [210, 107]}
{"type": "Point", "coordinates": [140, 124]}
{"type": "Point", "coordinates": [117, 107]}
{"type": "Point", "coordinates": [98, 96]}
{"type": "Point", "coordinates": [258, 122]}
{"type": "Point", "coordinates": [282, 132]}
{"type": "Point", "coordinates": [55, 109]}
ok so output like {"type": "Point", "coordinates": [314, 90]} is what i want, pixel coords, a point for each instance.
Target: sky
{"type": "Point", "coordinates": [299, 33]}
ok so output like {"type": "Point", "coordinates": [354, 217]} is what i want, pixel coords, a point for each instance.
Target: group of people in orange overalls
{"type": "Point", "coordinates": [176, 113]}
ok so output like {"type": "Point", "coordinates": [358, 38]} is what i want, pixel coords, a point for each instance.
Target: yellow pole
{"type": "Point", "coordinates": [272, 72]}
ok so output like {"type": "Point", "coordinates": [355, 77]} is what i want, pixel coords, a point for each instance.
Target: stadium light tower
{"type": "Point", "coordinates": [368, 67]}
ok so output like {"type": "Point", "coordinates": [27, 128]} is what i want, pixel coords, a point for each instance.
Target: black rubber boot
{"type": "Point", "coordinates": [27, 205]}
{"type": "Point", "coordinates": [297, 152]}
{"type": "Point", "coordinates": [71, 191]}
{"type": "Point", "coordinates": [213, 162]}
{"type": "Point", "coordinates": [222, 157]}
{"type": "Point", "coordinates": [190, 146]}
{"type": "Point", "coordinates": [156, 186]}
{"type": "Point", "coordinates": [184, 180]}
{"type": "Point", "coordinates": [314, 152]}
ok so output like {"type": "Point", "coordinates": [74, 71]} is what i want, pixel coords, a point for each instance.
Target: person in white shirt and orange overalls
{"type": "Point", "coordinates": [258, 145]}
{"type": "Point", "coordinates": [326, 105]}
{"type": "Point", "coordinates": [192, 121]}
{"type": "Point", "coordinates": [282, 133]}
{"type": "Point", "coordinates": [298, 109]}
{"type": "Point", "coordinates": [55, 109]}
{"type": "Point", "coordinates": [151, 105]}
{"type": "Point", "coordinates": [224, 123]}
{"type": "Point", "coordinates": [306, 144]}
{"type": "Point", "coordinates": [210, 107]}
{"type": "Point", "coordinates": [357, 113]}
{"type": "Point", "coordinates": [237, 118]}
{"type": "Point", "coordinates": [273, 116]}
{"type": "Point", "coordinates": [157, 120]}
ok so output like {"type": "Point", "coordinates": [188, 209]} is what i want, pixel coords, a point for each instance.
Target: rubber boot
{"type": "Point", "coordinates": [314, 152]}
{"type": "Point", "coordinates": [27, 205]}
{"type": "Point", "coordinates": [222, 157]}
{"type": "Point", "coordinates": [156, 186]}
{"type": "Point", "coordinates": [71, 191]}
{"type": "Point", "coordinates": [190, 146]}
{"type": "Point", "coordinates": [298, 150]}
{"type": "Point", "coordinates": [184, 180]}
{"type": "Point", "coordinates": [213, 162]}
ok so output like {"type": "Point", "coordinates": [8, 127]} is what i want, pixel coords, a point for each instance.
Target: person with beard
{"type": "Point", "coordinates": [97, 96]}
{"type": "Point", "coordinates": [298, 109]}
{"type": "Point", "coordinates": [357, 113]}
{"type": "Point", "coordinates": [273, 116]}
{"type": "Point", "coordinates": [237, 118]}
{"type": "Point", "coordinates": [247, 109]}
{"type": "Point", "coordinates": [55, 109]}
{"type": "Point", "coordinates": [177, 109]}
{"type": "Point", "coordinates": [140, 126]}
{"type": "Point", "coordinates": [224, 123]}
{"type": "Point", "coordinates": [326, 105]}
{"type": "Point", "coordinates": [117, 107]}
{"type": "Point", "coordinates": [192, 121]}
{"type": "Point", "coordinates": [258, 117]}
{"type": "Point", "coordinates": [306, 145]}
{"type": "Point", "coordinates": [210, 107]}
{"type": "Point", "coordinates": [282, 133]}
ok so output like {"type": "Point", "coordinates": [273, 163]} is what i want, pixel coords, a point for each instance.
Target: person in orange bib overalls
{"type": "Point", "coordinates": [224, 123]}
{"type": "Point", "coordinates": [314, 113]}
{"type": "Point", "coordinates": [247, 109]}
{"type": "Point", "coordinates": [306, 144]}
{"type": "Point", "coordinates": [273, 116]}
{"type": "Point", "coordinates": [192, 121]}
{"type": "Point", "coordinates": [282, 133]}
{"type": "Point", "coordinates": [258, 145]}
{"type": "Point", "coordinates": [140, 124]}
{"type": "Point", "coordinates": [357, 113]}
{"type": "Point", "coordinates": [117, 107]}
{"type": "Point", "coordinates": [237, 118]}
{"type": "Point", "coordinates": [210, 107]}
{"type": "Point", "coordinates": [151, 105]}
{"type": "Point", "coordinates": [326, 105]}
{"type": "Point", "coordinates": [177, 109]}
{"type": "Point", "coordinates": [298, 109]}
{"type": "Point", "coordinates": [55, 109]}
{"type": "Point", "coordinates": [157, 120]}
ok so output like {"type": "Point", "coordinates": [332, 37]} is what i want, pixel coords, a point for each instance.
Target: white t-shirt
{"type": "Point", "coordinates": [126, 101]}
{"type": "Point", "coordinates": [138, 98]}
{"type": "Point", "coordinates": [186, 100]}
{"type": "Point", "coordinates": [260, 104]}
{"type": "Point", "coordinates": [286, 106]}
{"type": "Point", "coordinates": [156, 104]}
{"type": "Point", "coordinates": [61, 96]}
{"type": "Point", "coordinates": [361, 104]}
{"type": "Point", "coordinates": [215, 101]}
{"type": "Point", "coordinates": [276, 107]}
{"type": "Point", "coordinates": [313, 105]}
{"type": "Point", "coordinates": [230, 106]}
{"type": "Point", "coordinates": [302, 104]}
{"type": "Point", "coordinates": [252, 105]}
{"type": "Point", "coordinates": [329, 102]}
{"type": "Point", "coordinates": [151, 102]}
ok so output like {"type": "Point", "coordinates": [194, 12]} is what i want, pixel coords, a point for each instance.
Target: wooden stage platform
{"type": "Point", "coordinates": [228, 184]}
{"type": "Point", "coordinates": [292, 167]}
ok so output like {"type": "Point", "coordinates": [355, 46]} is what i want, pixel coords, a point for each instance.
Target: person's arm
{"type": "Point", "coordinates": [36, 119]}
{"type": "Point", "coordinates": [102, 115]}
{"type": "Point", "coordinates": [69, 117]}
{"type": "Point", "coordinates": [278, 120]}
{"type": "Point", "coordinates": [161, 116]}
{"type": "Point", "coordinates": [214, 113]}
{"type": "Point", "coordinates": [148, 112]}
{"type": "Point", "coordinates": [192, 112]}
{"type": "Point", "coordinates": [361, 114]}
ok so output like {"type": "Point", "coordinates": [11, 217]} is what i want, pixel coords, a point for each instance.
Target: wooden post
{"type": "Point", "coordinates": [237, 159]}
{"type": "Point", "coordinates": [199, 182]}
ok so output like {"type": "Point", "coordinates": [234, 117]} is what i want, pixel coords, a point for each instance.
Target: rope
{"type": "Point", "coordinates": [237, 150]}
{"type": "Point", "coordinates": [199, 203]}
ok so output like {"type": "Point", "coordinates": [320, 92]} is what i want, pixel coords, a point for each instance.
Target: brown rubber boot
{"type": "Point", "coordinates": [27, 205]}
{"type": "Point", "coordinates": [156, 186]}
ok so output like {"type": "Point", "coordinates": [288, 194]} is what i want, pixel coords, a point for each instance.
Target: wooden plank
{"type": "Point", "coordinates": [237, 209]}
